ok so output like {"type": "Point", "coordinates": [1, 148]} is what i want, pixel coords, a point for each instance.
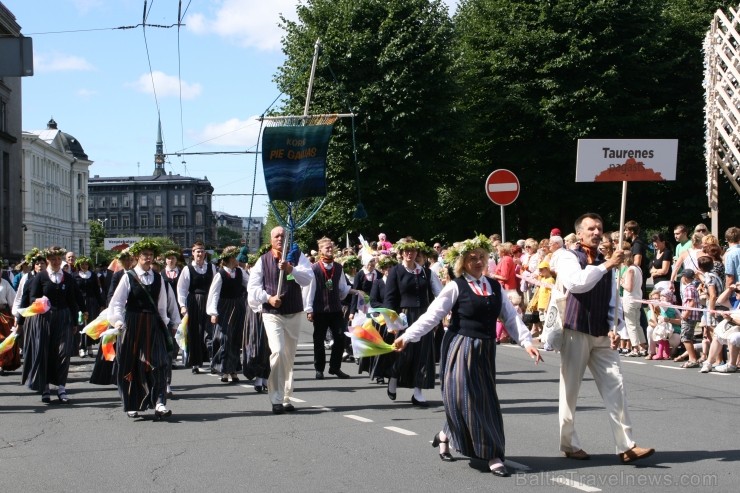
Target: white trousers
{"type": "Point", "coordinates": [282, 336]}
{"type": "Point", "coordinates": [578, 352]}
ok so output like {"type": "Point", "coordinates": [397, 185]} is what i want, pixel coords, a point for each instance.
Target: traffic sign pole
{"type": "Point", "coordinates": [503, 226]}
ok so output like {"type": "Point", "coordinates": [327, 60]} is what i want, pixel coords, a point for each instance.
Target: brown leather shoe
{"type": "Point", "coordinates": [635, 453]}
{"type": "Point", "coordinates": [579, 454]}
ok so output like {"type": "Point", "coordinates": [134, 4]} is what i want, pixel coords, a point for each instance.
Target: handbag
{"type": "Point", "coordinates": [168, 340]}
{"type": "Point", "coordinates": [552, 329]}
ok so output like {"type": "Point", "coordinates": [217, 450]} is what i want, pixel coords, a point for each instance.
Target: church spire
{"type": "Point", "coordinates": [159, 152]}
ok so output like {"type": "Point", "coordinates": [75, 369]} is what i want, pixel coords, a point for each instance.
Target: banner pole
{"type": "Point", "coordinates": [316, 49]}
{"type": "Point", "coordinates": [622, 215]}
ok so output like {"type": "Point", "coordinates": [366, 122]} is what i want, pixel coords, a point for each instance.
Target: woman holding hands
{"type": "Point", "coordinates": [474, 424]}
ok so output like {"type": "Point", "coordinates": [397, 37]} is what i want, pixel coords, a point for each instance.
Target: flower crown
{"type": "Point", "coordinates": [172, 253]}
{"type": "Point", "coordinates": [142, 245]}
{"type": "Point", "coordinates": [461, 248]}
{"type": "Point", "coordinates": [53, 252]}
{"type": "Point", "coordinates": [408, 244]}
{"type": "Point", "coordinates": [34, 255]}
{"type": "Point", "coordinates": [82, 260]}
{"type": "Point", "coordinates": [229, 251]}
{"type": "Point", "coordinates": [351, 262]}
{"type": "Point", "coordinates": [386, 261]}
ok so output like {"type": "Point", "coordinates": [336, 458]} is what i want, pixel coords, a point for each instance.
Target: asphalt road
{"type": "Point", "coordinates": [348, 436]}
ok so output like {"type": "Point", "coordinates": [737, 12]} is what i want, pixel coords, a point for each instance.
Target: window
{"type": "Point", "coordinates": [144, 221]}
{"type": "Point", "coordinates": [102, 202]}
{"type": "Point", "coordinates": [199, 199]}
{"type": "Point", "coordinates": [143, 200]}
{"type": "Point", "coordinates": [126, 222]}
{"type": "Point", "coordinates": [114, 201]}
{"type": "Point", "coordinates": [127, 200]}
{"type": "Point", "coordinates": [177, 200]}
{"type": "Point", "coordinates": [158, 200]}
{"type": "Point", "coordinates": [199, 218]}
{"type": "Point", "coordinates": [178, 221]}
{"type": "Point", "coordinates": [158, 220]}
{"type": "Point", "coordinates": [114, 223]}
{"type": "Point", "coordinates": [79, 181]}
{"type": "Point", "coordinates": [182, 199]}
{"type": "Point", "coordinates": [3, 116]}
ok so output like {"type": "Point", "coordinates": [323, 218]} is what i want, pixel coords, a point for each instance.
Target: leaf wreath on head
{"type": "Point", "coordinates": [142, 245]}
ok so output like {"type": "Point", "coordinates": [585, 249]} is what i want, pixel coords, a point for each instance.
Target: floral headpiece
{"type": "Point", "coordinates": [252, 259]}
{"type": "Point", "coordinates": [228, 252]}
{"type": "Point", "coordinates": [408, 243]}
{"type": "Point", "coordinates": [34, 255]}
{"type": "Point", "coordinates": [386, 261]}
{"type": "Point", "coordinates": [54, 251]}
{"type": "Point", "coordinates": [172, 253]}
{"type": "Point", "coordinates": [142, 245]}
{"type": "Point", "coordinates": [83, 260]}
{"type": "Point", "coordinates": [463, 247]}
{"type": "Point", "coordinates": [351, 262]}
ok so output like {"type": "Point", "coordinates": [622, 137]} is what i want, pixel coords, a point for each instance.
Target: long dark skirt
{"type": "Point", "coordinates": [229, 335]}
{"type": "Point", "coordinates": [103, 372]}
{"type": "Point", "coordinates": [11, 360]}
{"type": "Point", "coordinates": [93, 310]}
{"type": "Point", "coordinates": [200, 331]}
{"type": "Point", "coordinates": [414, 367]}
{"type": "Point", "coordinates": [468, 380]}
{"type": "Point", "coordinates": [47, 349]}
{"type": "Point", "coordinates": [141, 363]}
{"type": "Point", "coordinates": [256, 349]}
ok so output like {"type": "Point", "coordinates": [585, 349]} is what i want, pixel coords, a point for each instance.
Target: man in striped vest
{"type": "Point", "coordinates": [590, 340]}
{"type": "Point", "coordinates": [282, 313]}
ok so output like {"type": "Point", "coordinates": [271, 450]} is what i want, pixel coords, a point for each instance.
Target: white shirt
{"type": "Point", "coordinates": [256, 294]}
{"type": "Point", "coordinates": [18, 294]}
{"type": "Point", "coordinates": [117, 305]}
{"type": "Point", "coordinates": [7, 293]}
{"type": "Point", "coordinates": [56, 277]}
{"type": "Point", "coordinates": [446, 299]}
{"type": "Point", "coordinates": [183, 285]}
{"type": "Point", "coordinates": [214, 292]}
{"type": "Point", "coordinates": [342, 286]}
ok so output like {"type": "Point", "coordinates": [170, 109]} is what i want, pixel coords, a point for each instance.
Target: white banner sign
{"type": "Point", "coordinates": [109, 243]}
{"type": "Point", "coordinates": [601, 160]}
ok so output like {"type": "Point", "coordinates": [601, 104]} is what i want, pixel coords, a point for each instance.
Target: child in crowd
{"type": "Point", "coordinates": [689, 317]}
{"type": "Point", "coordinates": [547, 280]}
{"type": "Point", "coordinates": [502, 336]}
{"type": "Point", "coordinates": [664, 329]}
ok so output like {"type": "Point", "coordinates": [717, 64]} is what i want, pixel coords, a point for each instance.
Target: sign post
{"type": "Point", "coordinates": [502, 188]}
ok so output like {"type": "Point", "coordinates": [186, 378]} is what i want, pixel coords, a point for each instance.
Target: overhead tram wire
{"type": "Point", "coordinates": [179, 81]}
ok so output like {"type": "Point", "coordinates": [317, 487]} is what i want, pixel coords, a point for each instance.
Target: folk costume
{"type": "Point", "coordinates": [226, 301]}
{"type": "Point", "coordinates": [192, 292]}
{"type": "Point", "coordinates": [11, 360]}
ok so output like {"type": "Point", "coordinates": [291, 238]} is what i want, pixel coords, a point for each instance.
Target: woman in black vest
{"type": "Point", "coordinates": [473, 425]}
{"type": "Point", "coordinates": [409, 289]}
{"type": "Point", "coordinates": [139, 309]}
{"type": "Point", "coordinates": [379, 367]}
{"type": "Point", "coordinates": [89, 286]}
{"type": "Point", "coordinates": [227, 307]}
{"type": "Point", "coordinates": [48, 344]}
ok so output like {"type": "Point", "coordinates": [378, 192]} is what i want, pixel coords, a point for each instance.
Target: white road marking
{"type": "Point", "coordinates": [295, 399]}
{"type": "Point", "coordinates": [358, 418]}
{"type": "Point", "coordinates": [305, 345]}
{"type": "Point", "coordinates": [322, 408]}
{"type": "Point", "coordinates": [575, 484]}
{"type": "Point", "coordinates": [634, 362]}
{"type": "Point", "coordinates": [720, 374]}
{"type": "Point", "coordinates": [400, 430]}
{"type": "Point", "coordinates": [670, 367]}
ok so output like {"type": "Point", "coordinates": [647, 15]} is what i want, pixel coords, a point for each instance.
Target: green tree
{"type": "Point", "coordinates": [227, 237]}
{"type": "Point", "coordinates": [389, 63]}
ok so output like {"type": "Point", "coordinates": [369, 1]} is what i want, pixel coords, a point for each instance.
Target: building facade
{"type": "Point", "coordinates": [55, 177]}
{"type": "Point", "coordinates": [161, 204]}
{"type": "Point", "coordinates": [11, 165]}
{"type": "Point", "coordinates": [252, 232]}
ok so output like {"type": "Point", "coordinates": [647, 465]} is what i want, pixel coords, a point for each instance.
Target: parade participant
{"type": "Point", "coordinates": [139, 310]}
{"type": "Point", "coordinates": [70, 259]}
{"type": "Point", "coordinates": [12, 359]}
{"type": "Point", "coordinates": [281, 312]}
{"type": "Point", "coordinates": [25, 267]}
{"type": "Point", "coordinates": [379, 367]}
{"type": "Point", "coordinates": [173, 312]}
{"type": "Point", "coordinates": [48, 336]}
{"type": "Point", "coordinates": [325, 294]}
{"type": "Point", "coordinates": [89, 287]}
{"type": "Point", "coordinates": [591, 308]}
{"type": "Point", "coordinates": [227, 308]}
{"type": "Point", "coordinates": [171, 274]}
{"type": "Point", "coordinates": [409, 289]}
{"type": "Point", "coordinates": [474, 423]}
{"type": "Point", "coordinates": [192, 293]}
{"type": "Point", "coordinates": [256, 351]}
{"type": "Point", "coordinates": [37, 261]}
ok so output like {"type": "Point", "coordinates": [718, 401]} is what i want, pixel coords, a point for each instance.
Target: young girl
{"type": "Point", "coordinates": [502, 336]}
{"type": "Point", "coordinates": [631, 282]}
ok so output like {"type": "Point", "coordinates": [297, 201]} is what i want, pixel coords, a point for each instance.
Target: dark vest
{"type": "Point", "coordinates": [200, 283]}
{"type": "Point", "coordinates": [410, 290]}
{"type": "Point", "coordinates": [231, 288]}
{"type": "Point", "coordinates": [473, 315]}
{"type": "Point", "coordinates": [589, 312]}
{"type": "Point", "coordinates": [138, 301]}
{"type": "Point", "coordinates": [292, 297]}
{"type": "Point", "coordinates": [324, 300]}
{"type": "Point", "coordinates": [62, 295]}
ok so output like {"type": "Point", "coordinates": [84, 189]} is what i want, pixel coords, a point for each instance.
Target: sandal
{"type": "Point", "coordinates": [691, 364]}
{"type": "Point", "coordinates": [63, 399]}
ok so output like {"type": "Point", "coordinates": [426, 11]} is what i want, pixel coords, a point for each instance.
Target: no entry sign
{"type": "Point", "coordinates": [502, 187]}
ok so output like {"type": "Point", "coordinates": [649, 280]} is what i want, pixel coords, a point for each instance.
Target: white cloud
{"type": "Point", "coordinates": [60, 62]}
{"type": "Point", "coordinates": [249, 23]}
{"type": "Point", "coordinates": [165, 85]}
{"type": "Point", "coordinates": [232, 132]}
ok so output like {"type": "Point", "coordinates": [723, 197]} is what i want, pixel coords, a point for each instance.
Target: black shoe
{"type": "Point", "coordinates": [380, 381]}
{"type": "Point", "coordinates": [278, 409]}
{"type": "Point", "coordinates": [234, 379]}
{"type": "Point", "coordinates": [213, 371]}
{"type": "Point", "coordinates": [501, 472]}
{"type": "Point", "coordinates": [319, 375]}
{"type": "Point", "coordinates": [289, 408]}
{"type": "Point", "coordinates": [63, 399]}
{"type": "Point", "coordinates": [46, 398]}
{"type": "Point", "coordinates": [225, 379]}
{"type": "Point", "coordinates": [445, 456]}
{"type": "Point", "coordinates": [338, 374]}
{"type": "Point", "coordinates": [195, 370]}
{"type": "Point", "coordinates": [391, 395]}
{"type": "Point", "coordinates": [258, 388]}
{"type": "Point", "coordinates": [163, 413]}
{"type": "Point", "coordinates": [419, 403]}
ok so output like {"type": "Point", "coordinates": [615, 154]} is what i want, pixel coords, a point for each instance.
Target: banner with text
{"type": "Point", "coordinates": [294, 161]}
{"type": "Point", "coordinates": [114, 243]}
{"type": "Point", "coordinates": [601, 160]}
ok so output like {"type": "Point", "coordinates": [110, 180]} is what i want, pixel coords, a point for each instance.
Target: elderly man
{"type": "Point", "coordinates": [590, 339]}
{"type": "Point", "coordinates": [281, 312]}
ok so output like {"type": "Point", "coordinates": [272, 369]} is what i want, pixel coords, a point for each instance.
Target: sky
{"type": "Point", "coordinates": [107, 86]}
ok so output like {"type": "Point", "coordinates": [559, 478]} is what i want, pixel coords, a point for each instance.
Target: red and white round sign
{"type": "Point", "coordinates": [502, 187]}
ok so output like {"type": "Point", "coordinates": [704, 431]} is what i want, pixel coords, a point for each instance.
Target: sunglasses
{"type": "Point", "coordinates": [700, 231]}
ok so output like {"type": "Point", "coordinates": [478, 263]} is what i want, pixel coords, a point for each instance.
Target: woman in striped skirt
{"type": "Point", "coordinates": [227, 307]}
{"type": "Point", "coordinates": [474, 425]}
{"type": "Point", "coordinates": [139, 309]}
